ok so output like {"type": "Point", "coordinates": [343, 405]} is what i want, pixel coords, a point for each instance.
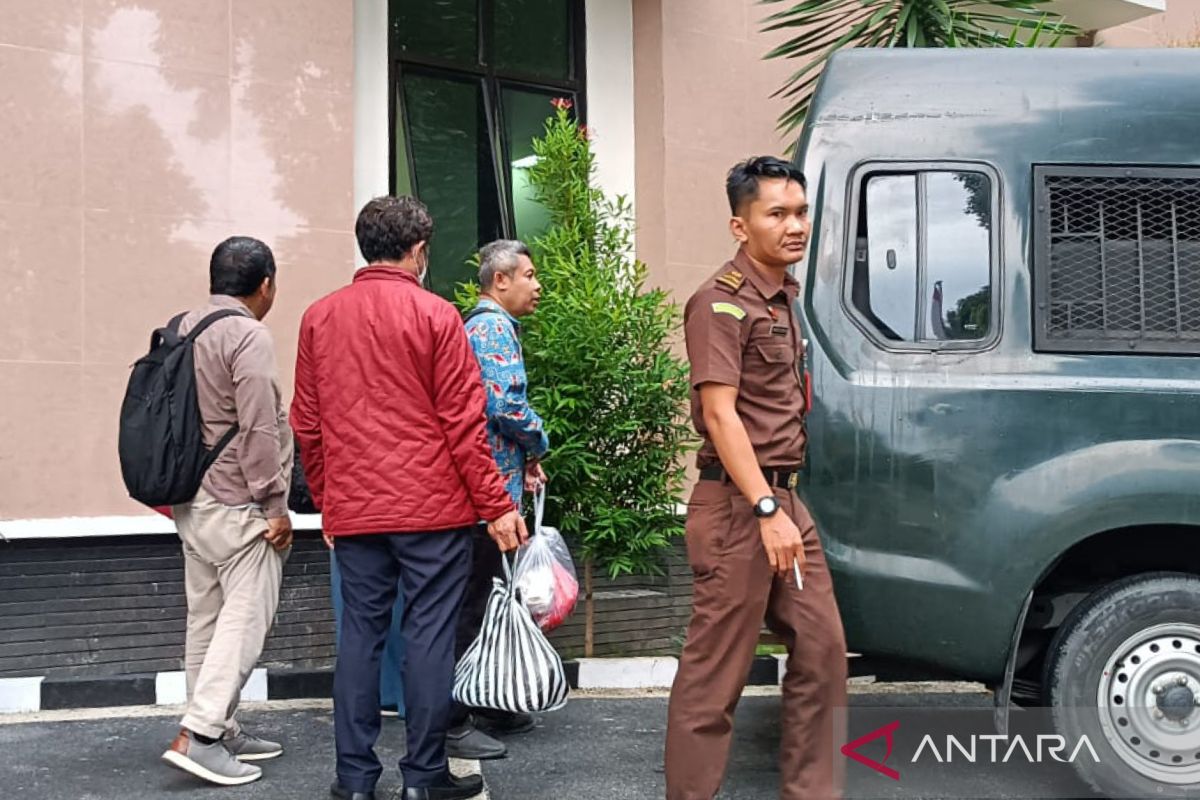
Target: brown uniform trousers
{"type": "Point", "coordinates": [735, 591]}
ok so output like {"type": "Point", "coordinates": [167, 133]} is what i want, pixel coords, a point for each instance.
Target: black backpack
{"type": "Point", "coordinates": [161, 444]}
{"type": "Point", "coordinates": [300, 497]}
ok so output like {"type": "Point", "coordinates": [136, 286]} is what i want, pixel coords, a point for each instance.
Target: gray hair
{"type": "Point", "coordinates": [502, 255]}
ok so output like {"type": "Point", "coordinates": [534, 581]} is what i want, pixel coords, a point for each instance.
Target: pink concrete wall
{"type": "Point", "coordinates": [136, 135]}
{"type": "Point", "coordinates": [1178, 25]}
{"type": "Point", "coordinates": [703, 102]}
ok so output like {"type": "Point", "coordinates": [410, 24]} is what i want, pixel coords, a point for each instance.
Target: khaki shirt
{"type": "Point", "coordinates": [742, 332]}
{"type": "Point", "coordinates": [237, 380]}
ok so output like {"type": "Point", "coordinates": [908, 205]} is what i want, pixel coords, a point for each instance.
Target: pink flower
{"type": "Point", "coordinates": [584, 133]}
{"type": "Point", "coordinates": [562, 103]}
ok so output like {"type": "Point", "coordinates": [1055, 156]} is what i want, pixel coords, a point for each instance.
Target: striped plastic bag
{"type": "Point", "coordinates": [510, 666]}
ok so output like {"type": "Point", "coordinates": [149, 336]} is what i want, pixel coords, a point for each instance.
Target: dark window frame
{"type": "Point", "coordinates": [856, 198]}
{"type": "Point", "coordinates": [493, 81]}
{"type": "Point", "coordinates": [1044, 340]}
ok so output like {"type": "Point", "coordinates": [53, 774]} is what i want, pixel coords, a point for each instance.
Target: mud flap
{"type": "Point", "coordinates": [1002, 694]}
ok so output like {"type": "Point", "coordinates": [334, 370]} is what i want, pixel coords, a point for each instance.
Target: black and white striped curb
{"type": "Point", "coordinates": [42, 693]}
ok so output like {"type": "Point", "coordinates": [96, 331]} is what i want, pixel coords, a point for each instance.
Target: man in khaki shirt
{"type": "Point", "coordinates": [236, 532]}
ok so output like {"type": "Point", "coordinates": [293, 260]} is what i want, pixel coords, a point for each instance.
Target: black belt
{"type": "Point", "coordinates": [782, 477]}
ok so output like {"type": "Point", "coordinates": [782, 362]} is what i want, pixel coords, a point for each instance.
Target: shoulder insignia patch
{"type": "Point", "coordinates": [732, 280]}
{"type": "Point", "coordinates": [730, 309]}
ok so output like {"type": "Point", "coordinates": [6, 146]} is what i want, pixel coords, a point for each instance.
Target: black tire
{"type": "Point", "coordinates": [1132, 616]}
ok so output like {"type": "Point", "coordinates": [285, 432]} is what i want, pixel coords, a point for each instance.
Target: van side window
{"type": "Point", "coordinates": [923, 255]}
{"type": "Point", "coordinates": [885, 257]}
{"type": "Point", "coordinates": [1117, 260]}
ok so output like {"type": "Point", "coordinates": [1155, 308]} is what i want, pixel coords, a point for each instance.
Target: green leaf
{"type": "Point", "coordinates": [912, 30]}
{"type": "Point", "coordinates": [902, 25]}
{"type": "Point", "coordinates": [602, 368]}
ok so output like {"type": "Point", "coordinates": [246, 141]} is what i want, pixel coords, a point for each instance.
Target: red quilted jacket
{"type": "Point", "coordinates": [389, 411]}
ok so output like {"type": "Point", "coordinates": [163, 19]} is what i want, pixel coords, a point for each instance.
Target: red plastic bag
{"type": "Point", "coordinates": [566, 593]}
{"type": "Point", "coordinates": [544, 572]}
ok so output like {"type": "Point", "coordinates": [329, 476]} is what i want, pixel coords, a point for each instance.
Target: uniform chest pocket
{"type": "Point", "coordinates": [775, 353]}
{"type": "Point", "coordinates": [774, 365]}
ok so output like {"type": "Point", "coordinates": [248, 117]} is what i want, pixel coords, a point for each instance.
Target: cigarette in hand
{"type": "Point", "coordinates": [796, 570]}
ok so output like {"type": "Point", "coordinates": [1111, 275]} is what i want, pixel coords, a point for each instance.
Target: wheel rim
{"type": "Point", "coordinates": [1149, 702]}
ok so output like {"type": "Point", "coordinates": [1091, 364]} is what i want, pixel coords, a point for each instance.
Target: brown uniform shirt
{"type": "Point", "coordinates": [237, 380]}
{"type": "Point", "coordinates": [742, 332]}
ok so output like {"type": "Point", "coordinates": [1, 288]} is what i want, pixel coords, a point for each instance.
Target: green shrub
{"type": "Point", "coordinates": [601, 369]}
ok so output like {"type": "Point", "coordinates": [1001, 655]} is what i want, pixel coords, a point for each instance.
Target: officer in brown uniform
{"type": "Point", "coordinates": [748, 534]}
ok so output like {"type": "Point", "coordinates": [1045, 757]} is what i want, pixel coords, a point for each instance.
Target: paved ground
{"type": "Point", "coordinates": [594, 748]}
{"type": "Point", "coordinates": [612, 749]}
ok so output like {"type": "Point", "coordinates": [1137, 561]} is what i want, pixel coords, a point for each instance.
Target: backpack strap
{"type": "Point", "coordinates": [203, 324]}
{"type": "Point", "coordinates": [221, 444]}
{"type": "Point", "coordinates": [476, 311]}
{"type": "Point", "coordinates": [479, 311]}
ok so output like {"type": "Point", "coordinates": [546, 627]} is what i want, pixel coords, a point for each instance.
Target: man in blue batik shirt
{"type": "Point", "coordinates": [509, 289]}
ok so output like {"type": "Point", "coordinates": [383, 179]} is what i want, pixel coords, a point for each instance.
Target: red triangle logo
{"type": "Point", "coordinates": [850, 750]}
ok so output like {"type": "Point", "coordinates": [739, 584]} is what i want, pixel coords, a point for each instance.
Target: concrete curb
{"type": "Point", "coordinates": [148, 689]}
{"type": "Point", "coordinates": [40, 693]}
{"type": "Point", "coordinates": [654, 672]}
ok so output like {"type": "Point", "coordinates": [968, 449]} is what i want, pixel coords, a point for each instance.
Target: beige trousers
{"type": "Point", "coordinates": [232, 577]}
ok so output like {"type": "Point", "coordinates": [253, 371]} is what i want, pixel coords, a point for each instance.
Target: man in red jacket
{"type": "Point", "coordinates": [389, 415]}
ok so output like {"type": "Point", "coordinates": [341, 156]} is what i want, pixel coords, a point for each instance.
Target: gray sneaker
{"type": "Point", "coordinates": [210, 762]}
{"type": "Point", "coordinates": [248, 747]}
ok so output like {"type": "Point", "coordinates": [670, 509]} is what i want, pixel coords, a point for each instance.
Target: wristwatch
{"type": "Point", "coordinates": [766, 507]}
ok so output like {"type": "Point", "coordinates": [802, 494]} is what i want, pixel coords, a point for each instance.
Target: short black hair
{"type": "Point", "coordinates": [741, 185]}
{"type": "Point", "coordinates": [388, 227]}
{"type": "Point", "coordinates": [239, 265]}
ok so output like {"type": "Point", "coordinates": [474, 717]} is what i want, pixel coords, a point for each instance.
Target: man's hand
{"type": "Point", "coordinates": [535, 476]}
{"type": "Point", "coordinates": [328, 537]}
{"type": "Point", "coordinates": [279, 532]}
{"type": "Point", "coordinates": [782, 541]}
{"type": "Point", "coordinates": [781, 538]}
{"type": "Point", "coordinates": [508, 532]}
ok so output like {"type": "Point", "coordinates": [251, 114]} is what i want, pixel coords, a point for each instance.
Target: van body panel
{"type": "Point", "coordinates": [947, 480]}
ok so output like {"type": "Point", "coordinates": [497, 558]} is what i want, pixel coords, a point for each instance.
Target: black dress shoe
{"type": "Point", "coordinates": [345, 794]}
{"type": "Point", "coordinates": [452, 789]}
{"type": "Point", "coordinates": [470, 743]}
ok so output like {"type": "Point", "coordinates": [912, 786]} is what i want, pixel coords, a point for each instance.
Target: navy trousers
{"type": "Point", "coordinates": [486, 563]}
{"type": "Point", "coordinates": [391, 668]}
{"type": "Point", "coordinates": [432, 570]}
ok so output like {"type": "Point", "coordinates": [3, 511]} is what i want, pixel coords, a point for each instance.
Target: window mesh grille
{"type": "Point", "coordinates": [1123, 261]}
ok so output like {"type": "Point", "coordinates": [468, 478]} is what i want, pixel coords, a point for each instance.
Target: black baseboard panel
{"type": "Point", "coordinates": [101, 692]}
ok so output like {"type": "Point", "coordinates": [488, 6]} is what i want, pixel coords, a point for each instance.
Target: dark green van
{"type": "Point", "coordinates": [1002, 305]}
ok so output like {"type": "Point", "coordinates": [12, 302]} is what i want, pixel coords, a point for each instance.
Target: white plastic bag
{"type": "Point", "coordinates": [510, 666]}
{"type": "Point", "coordinates": [544, 572]}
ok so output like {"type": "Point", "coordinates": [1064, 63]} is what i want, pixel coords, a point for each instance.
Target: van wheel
{"type": "Point", "coordinates": [1124, 670]}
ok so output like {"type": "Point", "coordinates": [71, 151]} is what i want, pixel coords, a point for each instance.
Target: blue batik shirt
{"type": "Point", "coordinates": [515, 431]}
